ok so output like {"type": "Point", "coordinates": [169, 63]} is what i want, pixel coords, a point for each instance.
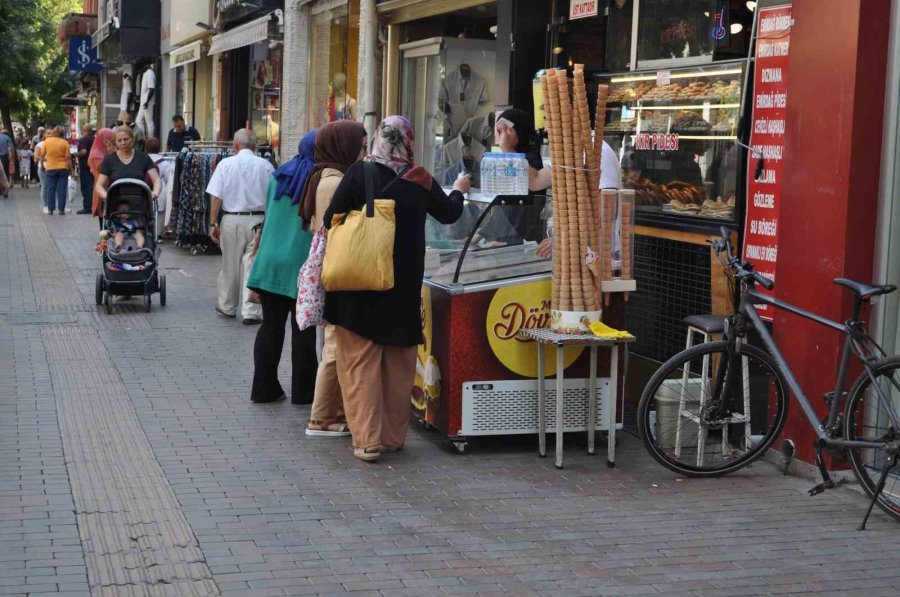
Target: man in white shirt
{"type": "Point", "coordinates": [238, 187]}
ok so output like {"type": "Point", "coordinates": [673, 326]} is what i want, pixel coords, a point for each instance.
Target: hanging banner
{"type": "Point", "coordinates": [83, 55]}
{"type": "Point", "coordinates": [767, 140]}
{"type": "Point", "coordinates": [582, 9]}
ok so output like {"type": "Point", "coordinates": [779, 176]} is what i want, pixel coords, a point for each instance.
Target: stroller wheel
{"type": "Point", "coordinates": [98, 289]}
{"type": "Point", "coordinates": [162, 290]}
{"type": "Point", "coordinates": [107, 303]}
{"type": "Point", "coordinates": [147, 302]}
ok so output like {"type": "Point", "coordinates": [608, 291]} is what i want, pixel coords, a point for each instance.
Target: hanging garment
{"type": "Point", "coordinates": [453, 161]}
{"type": "Point", "coordinates": [461, 97]}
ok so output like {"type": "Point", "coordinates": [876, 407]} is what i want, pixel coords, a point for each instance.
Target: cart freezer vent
{"type": "Point", "coordinates": [511, 407]}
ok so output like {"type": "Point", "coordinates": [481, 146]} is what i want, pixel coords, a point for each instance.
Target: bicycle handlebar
{"type": "Point", "coordinates": [743, 269]}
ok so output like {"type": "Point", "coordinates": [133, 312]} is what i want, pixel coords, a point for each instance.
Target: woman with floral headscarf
{"type": "Point", "coordinates": [376, 333]}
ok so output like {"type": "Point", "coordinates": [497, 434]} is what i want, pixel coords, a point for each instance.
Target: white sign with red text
{"type": "Point", "coordinates": [582, 9]}
{"type": "Point", "coordinates": [767, 140]}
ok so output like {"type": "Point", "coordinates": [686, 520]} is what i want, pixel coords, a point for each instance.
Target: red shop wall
{"type": "Point", "coordinates": [838, 60]}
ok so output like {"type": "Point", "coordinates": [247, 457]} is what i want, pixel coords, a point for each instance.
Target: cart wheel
{"type": "Point", "coordinates": [194, 251]}
{"type": "Point", "coordinates": [427, 426]}
{"type": "Point", "coordinates": [162, 290]}
{"type": "Point", "coordinates": [98, 289]}
{"type": "Point", "coordinates": [107, 303]}
{"type": "Point", "coordinates": [147, 302]}
{"type": "Point", "coordinates": [460, 447]}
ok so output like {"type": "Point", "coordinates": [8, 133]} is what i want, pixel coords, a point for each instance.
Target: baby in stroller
{"type": "Point", "coordinates": [124, 224]}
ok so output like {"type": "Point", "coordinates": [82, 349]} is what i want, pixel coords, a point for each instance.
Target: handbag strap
{"type": "Point", "coordinates": [369, 172]}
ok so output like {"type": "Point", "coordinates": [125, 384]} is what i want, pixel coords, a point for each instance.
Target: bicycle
{"type": "Point", "coordinates": [717, 407]}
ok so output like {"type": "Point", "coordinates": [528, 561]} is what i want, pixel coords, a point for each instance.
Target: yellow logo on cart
{"type": "Point", "coordinates": [515, 308]}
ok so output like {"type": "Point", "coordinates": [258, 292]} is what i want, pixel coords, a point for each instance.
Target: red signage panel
{"type": "Point", "coordinates": [767, 139]}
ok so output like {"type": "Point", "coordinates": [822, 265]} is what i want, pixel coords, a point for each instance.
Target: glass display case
{"type": "Point", "coordinates": [265, 94]}
{"type": "Point", "coordinates": [486, 244]}
{"type": "Point", "coordinates": [675, 134]}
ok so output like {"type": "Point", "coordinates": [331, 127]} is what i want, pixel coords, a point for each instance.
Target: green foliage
{"type": "Point", "coordinates": [33, 74]}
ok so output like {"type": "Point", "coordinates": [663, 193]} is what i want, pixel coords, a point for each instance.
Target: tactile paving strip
{"type": "Point", "coordinates": [135, 536]}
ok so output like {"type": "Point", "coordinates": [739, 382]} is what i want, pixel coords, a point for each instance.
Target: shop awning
{"type": "Point", "coordinates": [243, 35]}
{"type": "Point", "coordinates": [186, 54]}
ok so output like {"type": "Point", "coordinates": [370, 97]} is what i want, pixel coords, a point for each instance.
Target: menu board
{"type": "Point", "coordinates": [767, 139]}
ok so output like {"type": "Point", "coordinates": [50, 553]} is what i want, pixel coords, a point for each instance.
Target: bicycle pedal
{"type": "Point", "coordinates": [820, 488]}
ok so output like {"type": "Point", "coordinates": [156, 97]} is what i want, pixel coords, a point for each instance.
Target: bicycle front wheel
{"type": "Point", "coordinates": [678, 418]}
{"type": "Point", "coordinates": [866, 418]}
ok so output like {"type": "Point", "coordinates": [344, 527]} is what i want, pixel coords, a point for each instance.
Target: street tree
{"type": "Point", "coordinates": [33, 74]}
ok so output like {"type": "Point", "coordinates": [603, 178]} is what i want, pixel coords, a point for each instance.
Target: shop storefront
{"type": "Point", "coordinates": [249, 56]}
{"type": "Point", "coordinates": [128, 42]}
{"type": "Point", "coordinates": [333, 62]}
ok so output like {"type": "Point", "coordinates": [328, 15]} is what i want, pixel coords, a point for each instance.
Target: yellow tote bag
{"type": "Point", "coordinates": [359, 254]}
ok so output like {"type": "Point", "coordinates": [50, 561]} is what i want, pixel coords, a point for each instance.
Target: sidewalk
{"type": "Point", "coordinates": [135, 464]}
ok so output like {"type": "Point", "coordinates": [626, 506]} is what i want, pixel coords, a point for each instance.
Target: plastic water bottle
{"type": "Point", "coordinates": [487, 174]}
{"type": "Point", "coordinates": [521, 174]}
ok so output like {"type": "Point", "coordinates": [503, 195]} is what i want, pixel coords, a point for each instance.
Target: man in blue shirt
{"type": "Point", "coordinates": [7, 156]}
{"type": "Point", "coordinates": [180, 133]}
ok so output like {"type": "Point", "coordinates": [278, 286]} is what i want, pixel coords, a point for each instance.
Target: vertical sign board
{"type": "Point", "coordinates": [767, 138]}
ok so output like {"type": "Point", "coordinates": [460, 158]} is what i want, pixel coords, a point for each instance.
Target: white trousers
{"type": "Point", "coordinates": [144, 119]}
{"type": "Point", "coordinates": [236, 243]}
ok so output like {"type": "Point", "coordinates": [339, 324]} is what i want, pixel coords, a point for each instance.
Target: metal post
{"type": "Point", "coordinates": [560, 390]}
{"type": "Point", "coordinates": [542, 403]}
{"type": "Point", "coordinates": [592, 400]}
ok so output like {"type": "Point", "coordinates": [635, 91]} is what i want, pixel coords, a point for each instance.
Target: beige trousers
{"type": "Point", "coordinates": [377, 383]}
{"type": "Point", "coordinates": [236, 243]}
{"type": "Point", "coordinates": [328, 404]}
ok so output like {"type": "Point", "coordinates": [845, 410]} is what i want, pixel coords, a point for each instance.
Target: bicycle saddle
{"type": "Point", "coordinates": [865, 291]}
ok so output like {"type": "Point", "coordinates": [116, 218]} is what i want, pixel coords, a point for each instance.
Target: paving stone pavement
{"type": "Point", "coordinates": [136, 465]}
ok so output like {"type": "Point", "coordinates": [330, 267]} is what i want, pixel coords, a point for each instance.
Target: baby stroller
{"type": "Point", "coordinates": [130, 270]}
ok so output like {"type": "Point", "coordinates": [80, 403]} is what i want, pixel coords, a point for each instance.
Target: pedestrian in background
{"type": "Point", "coordinates": [57, 166]}
{"type": "Point", "coordinates": [238, 188]}
{"type": "Point", "coordinates": [339, 145]}
{"type": "Point", "coordinates": [180, 132]}
{"type": "Point", "coordinates": [281, 249]}
{"type": "Point", "coordinates": [7, 157]}
{"type": "Point", "coordinates": [376, 333]}
{"type": "Point", "coordinates": [25, 154]}
{"type": "Point", "coordinates": [104, 144]}
{"type": "Point", "coordinates": [85, 177]}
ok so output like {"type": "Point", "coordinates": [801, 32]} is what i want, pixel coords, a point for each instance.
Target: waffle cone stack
{"type": "Point", "coordinates": [577, 210]}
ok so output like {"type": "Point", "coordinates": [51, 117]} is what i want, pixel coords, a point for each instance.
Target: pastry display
{"type": "Point", "coordinates": [647, 192]}
{"type": "Point", "coordinates": [702, 90]}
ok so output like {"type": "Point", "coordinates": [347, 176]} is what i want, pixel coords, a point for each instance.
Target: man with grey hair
{"type": "Point", "coordinates": [238, 188]}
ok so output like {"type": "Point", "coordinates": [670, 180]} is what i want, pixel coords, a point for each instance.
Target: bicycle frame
{"type": "Point", "coordinates": [854, 333]}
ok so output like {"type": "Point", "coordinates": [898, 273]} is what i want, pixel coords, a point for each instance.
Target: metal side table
{"type": "Point", "coordinates": [545, 336]}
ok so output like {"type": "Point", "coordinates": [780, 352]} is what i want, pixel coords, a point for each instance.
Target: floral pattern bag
{"type": "Point", "coordinates": [310, 290]}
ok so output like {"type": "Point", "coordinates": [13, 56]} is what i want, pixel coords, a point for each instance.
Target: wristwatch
{"type": "Point", "coordinates": [214, 225]}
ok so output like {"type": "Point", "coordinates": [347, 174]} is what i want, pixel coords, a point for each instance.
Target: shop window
{"type": "Point", "coordinates": [265, 93]}
{"type": "Point", "coordinates": [680, 30]}
{"type": "Point", "coordinates": [333, 62]}
{"type": "Point", "coordinates": [675, 132]}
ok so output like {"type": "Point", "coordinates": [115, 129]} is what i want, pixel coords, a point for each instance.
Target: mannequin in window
{"type": "Point", "coordinates": [144, 119]}
{"type": "Point", "coordinates": [462, 91]}
{"type": "Point", "coordinates": [340, 105]}
{"type": "Point", "coordinates": [126, 98]}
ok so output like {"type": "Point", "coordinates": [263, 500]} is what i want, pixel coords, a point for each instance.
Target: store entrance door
{"type": "Point", "coordinates": [238, 92]}
{"type": "Point", "coordinates": [420, 78]}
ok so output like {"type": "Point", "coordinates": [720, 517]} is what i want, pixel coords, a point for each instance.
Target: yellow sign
{"type": "Point", "coordinates": [515, 308]}
{"type": "Point", "coordinates": [538, 96]}
{"type": "Point", "coordinates": [427, 386]}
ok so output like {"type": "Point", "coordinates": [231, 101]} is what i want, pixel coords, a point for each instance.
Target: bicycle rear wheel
{"type": "Point", "coordinates": [866, 419]}
{"type": "Point", "coordinates": [674, 415]}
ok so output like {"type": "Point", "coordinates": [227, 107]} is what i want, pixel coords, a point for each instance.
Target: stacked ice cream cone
{"type": "Point", "coordinates": [575, 153]}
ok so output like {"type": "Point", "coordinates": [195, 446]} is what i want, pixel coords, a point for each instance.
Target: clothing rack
{"type": "Point", "coordinates": [194, 166]}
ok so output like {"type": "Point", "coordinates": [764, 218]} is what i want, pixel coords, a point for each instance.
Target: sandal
{"type": "Point", "coordinates": [326, 429]}
{"type": "Point", "coordinates": [367, 454]}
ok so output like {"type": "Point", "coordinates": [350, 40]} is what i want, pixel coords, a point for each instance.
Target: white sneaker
{"type": "Point", "coordinates": [68, 210]}
{"type": "Point", "coordinates": [46, 211]}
